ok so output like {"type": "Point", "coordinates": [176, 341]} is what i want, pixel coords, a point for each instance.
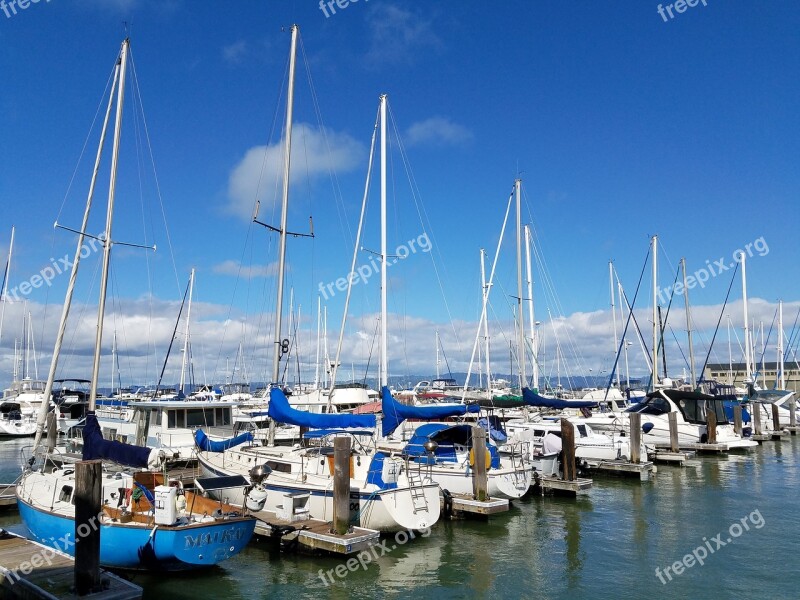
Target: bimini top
{"type": "Point", "coordinates": [447, 436]}
{"type": "Point", "coordinates": [395, 413]}
{"type": "Point", "coordinates": [531, 398]}
{"type": "Point", "coordinates": [280, 411]}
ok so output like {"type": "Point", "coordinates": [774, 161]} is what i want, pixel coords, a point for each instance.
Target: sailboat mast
{"type": "Point", "coordinates": [747, 355]}
{"type": "Point", "coordinates": [186, 334]}
{"type": "Point", "coordinates": [287, 153]}
{"type": "Point", "coordinates": [730, 354]}
{"type": "Point", "coordinates": [531, 321]}
{"type": "Point", "coordinates": [520, 312]}
{"type": "Point", "coordinates": [485, 316]}
{"type": "Point", "coordinates": [613, 311]}
{"type": "Point", "coordinates": [384, 325]}
{"type": "Point", "coordinates": [437, 354]}
{"type": "Point", "coordinates": [112, 187]}
{"type": "Point", "coordinates": [655, 312]}
{"type": "Point", "coordinates": [688, 324]}
{"type": "Point", "coordinates": [781, 381]}
{"type": "Point", "coordinates": [6, 275]}
{"type": "Point", "coordinates": [316, 367]}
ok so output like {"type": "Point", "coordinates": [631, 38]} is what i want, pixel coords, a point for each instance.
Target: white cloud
{"type": "Point", "coordinates": [234, 53]}
{"type": "Point", "coordinates": [398, 35]}
{"type": "Point", "coordinates": [236, 269]}
{"type": "Point", "coordinates": [438, 131]}
{"type": "Point", "coordinates": [315, 153]}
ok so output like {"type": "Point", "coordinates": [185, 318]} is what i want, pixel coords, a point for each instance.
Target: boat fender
{"type": "Point", "coordinates": [472, 458]}
{"type": "Point", "coordinates": [448, 503]}
{"type": "Point", "coordinates": [180, 502]}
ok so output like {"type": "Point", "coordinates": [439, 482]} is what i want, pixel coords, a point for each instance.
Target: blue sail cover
{"type": "Point", "coordinates": [208, 445]}
{"type": "Point", "coordinates": [395, 413]}
{"type": "Point", "coordinates": [282, 412]}
{"type": "Point", "coordinates": [531, 398]}
{"type": "Point", "coordinates": [94, 446]}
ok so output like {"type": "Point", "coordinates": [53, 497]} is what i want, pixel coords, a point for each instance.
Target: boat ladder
{"type": "Point", "coordinates": [415, 486]}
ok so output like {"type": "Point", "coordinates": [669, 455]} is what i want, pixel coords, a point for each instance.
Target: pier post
{"type": "Point", "coordinates": [737, 419]}
{"type": "Point", "coordinates": [755, 415]}
{"type": "Point", "coordinates": [480, 481]}
{"type": "Point", "coordinates": [673, 432]}
{"type": "Point", "coordinates": [711, 427]}
{"type": "Point", "coordinates": [52, 431]}
{"type": "Point", "coordinates": [341, 485]}
{"type": "Point", "coordinates": [792, 416]}
{"type": "Point", "coordinates": [635, 437]}
{"type": "Point", "coordinates": [569, 471]}
{"type": "Point", "coordinates": [776, 418]}
{"type": "Point", "coordinates": [88, 502]}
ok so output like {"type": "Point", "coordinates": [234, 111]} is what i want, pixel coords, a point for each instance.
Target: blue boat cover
{"type": "Point", "coordinates": [531, 398]}
{"type": "Point", "coordinates": [282, 412]}
{"type": "Point", "coordinates": [208, 445]}
{"type": "Point", "coordinates": [446, 436]}
{"type": "Point", "coordinates": [94, 446]}
{"type": "Point", "coordinates": [395, 413]}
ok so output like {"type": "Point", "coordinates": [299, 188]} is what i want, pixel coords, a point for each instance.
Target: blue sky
{"type": "Point", "coordinates": [621, 125]}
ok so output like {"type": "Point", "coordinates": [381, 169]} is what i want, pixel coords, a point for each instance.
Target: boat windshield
{"type": "Point", "coordinates": [651, 406]}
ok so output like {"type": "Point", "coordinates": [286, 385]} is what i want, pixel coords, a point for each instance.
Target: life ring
{"type": "Point", "coordinates": [472, 458]}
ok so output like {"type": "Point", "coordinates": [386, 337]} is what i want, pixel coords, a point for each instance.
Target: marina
{"type": "Point", "coordinates": [399, 302]}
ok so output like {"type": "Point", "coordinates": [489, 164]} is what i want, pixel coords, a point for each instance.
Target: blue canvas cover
{"type": "Point", "coordinates": [207, 444]}
{"type": "Point", "coordinates": [281, 412]}
{"type": "Point", "coordinates": [395, 413]}
{"type": "Point", "coordinates": [94, 446]}
{"type": "Point", "coordinates": [531, 398]}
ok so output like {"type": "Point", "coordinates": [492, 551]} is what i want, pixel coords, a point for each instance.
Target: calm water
{"type": "Point", "coordinates": [604, 545]}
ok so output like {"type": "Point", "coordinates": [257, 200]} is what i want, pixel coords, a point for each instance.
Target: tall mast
{"type": "Point", "coordinates": [730, 354]}
{"type": "Point", "coordinates": [437, 354]}
{"type": "Point", "coordinates": [384, 329]}
{"type": "Point", "coordinates": [107, 243]}
{"type": "Point", "coordinates": [531, 321]}
{"type": "Point", "coordinates": [486, 323]}
{"type": "Point", "coordinates": [319, 318]}
{"type": "Point", "coordinates": [186, 334]}
{"type": "Point", "coordinates": [655, 312]}
{"type": "Point", "coordinates": [520, 312]}
{"type": "Point", "coordinates": [688, 324]}
{"type": "Point", "coordinates": [6, 275]}
{"type": "Point", "coordinates": [613, 312]}
{"type": "Point", "coordinates": [624, 339]}
{"type": "Point", "coordinates": [747, 349]}
{"type": "Point", "coordinates": [781, 380]}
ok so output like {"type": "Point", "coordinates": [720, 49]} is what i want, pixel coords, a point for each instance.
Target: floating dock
{"type": "Point", "coordinates": [312, 535]}
{"type": "Point", "coordinates": [562, 487]}
{"type": "Point", "coordinates": [8, 497]}
{"type": "Point", "coordinates": [673, 458]}
{"type": "Point", "coordinates": [771, 436]}
{"type": "Point", "coordinates": [461, 506]}
{"type": "Point", "coordinates": [31, 570]}
{"type": "Point", "coordinates": [624, 468]}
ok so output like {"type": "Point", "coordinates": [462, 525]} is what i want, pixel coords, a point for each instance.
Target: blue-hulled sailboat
{"type": "Point", "coordinates": [146, 523]}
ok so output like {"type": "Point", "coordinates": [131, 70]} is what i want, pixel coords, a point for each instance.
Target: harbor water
{"type": "Point", "coordinates": [720, 527]}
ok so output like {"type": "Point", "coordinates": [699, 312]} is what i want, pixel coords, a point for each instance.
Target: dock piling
{"type": "Point", "coordinates": [569, 472]}
{"type": "Point", "coordinates": [480, 481]}
{"type": "Point", "coordinates": [737, 419]}
{"type": "Point", "coordinates": [711, 427]}
{"type": "Point", "coordinates": [635, 438]}
{"type": "Point", "coordinates": [341, 485]}
{"type": "Point", "coordinates": [88, 477]}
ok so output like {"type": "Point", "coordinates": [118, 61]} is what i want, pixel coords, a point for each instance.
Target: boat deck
{"type": "Point", "coordinates": [31, 570]}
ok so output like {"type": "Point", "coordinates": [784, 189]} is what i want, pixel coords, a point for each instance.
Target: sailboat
{"type": "Point", "coordinates": [146, 522]}
{"type": "Point", "coordinates": [388, 496]}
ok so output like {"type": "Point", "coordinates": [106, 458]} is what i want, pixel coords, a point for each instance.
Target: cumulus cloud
{"type": "Point", "coordinates": [315, 153]}
{"type": "Point", "coordinates": [236, 269]}
{"type": "Point", "coordinates": [438, 131]}
{"type": "Point", "coordinates": [234, 53]}
{"type": "Point", "coordinates": [397, 35]}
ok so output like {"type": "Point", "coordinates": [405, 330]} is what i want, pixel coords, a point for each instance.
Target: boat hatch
{"type": "Point", "coordinates": [66, 494]}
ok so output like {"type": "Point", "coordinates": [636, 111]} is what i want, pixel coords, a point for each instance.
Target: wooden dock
{"type": "Point", "coordinates": [463, 506]}
{"type": "Point", "coordinates": [562, 487]}
{"type": "Point", "coordinates": [31, 570]}
{"type": "Point", "coordinates": [312, 535]}
{"type": "Point", "coordinates": [623, 468]}
{"type": "Point", "coordinates": [672, 458]}
{"type": "Point", "coordinates": [8, 497]}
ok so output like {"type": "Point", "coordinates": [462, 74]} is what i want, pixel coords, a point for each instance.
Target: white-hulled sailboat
{"type": "Point", "coordinates": [143, 525]}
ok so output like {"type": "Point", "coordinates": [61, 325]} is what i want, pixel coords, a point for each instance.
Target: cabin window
{"type": "Point", "coordinates": [582, 430]}
{"type": "Point", "coordinates": [157, 417]}
{"type": "Point", "coordinates": [66, 494]}
{"type": "Point", "coordinates": [176, 419]}
{"type": "Point", "coordinates": [195, 417]}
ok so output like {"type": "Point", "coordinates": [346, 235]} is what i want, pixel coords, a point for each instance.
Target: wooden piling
{"type": "Point", "coordinates": [569, 471]}
{"type": "Point", "coordinates": [737, 419]}
{"type": "Point", "coordinates": [776, 418]}
{"type": "Point", "coordinates": [673, 432]}
{"type": "Point", "coordinates": [635, 437]}
{"type": "Point", "coordinates": [480, 481]}
{"type": "Point", "coordinates": [755, 415]}
{"type": "Point", "coordinates": [88, 503]}
{"type": "Point", "coordinates": [341, 485]}
{"type": "Point", "coordinates": [711, 427]}
{"type": "Point", "coordinates": [792, 414]}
